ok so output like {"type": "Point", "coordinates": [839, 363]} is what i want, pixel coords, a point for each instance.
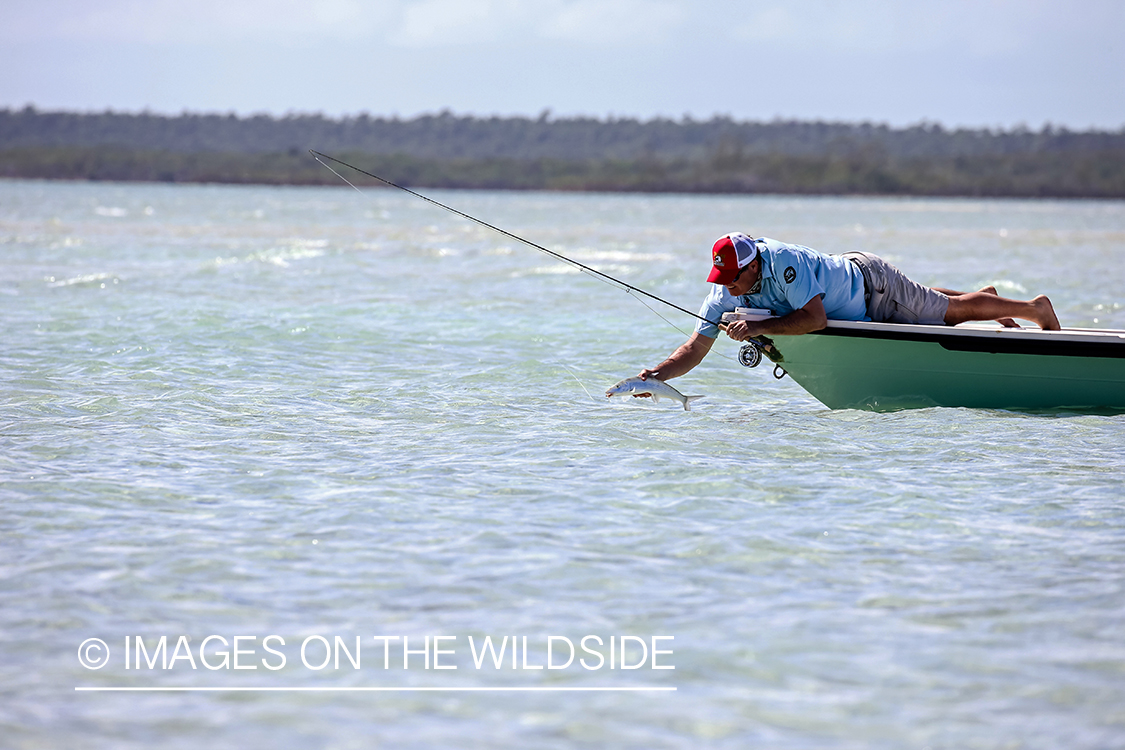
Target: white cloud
{"type": "Point", "coordinates": [195, 22]}
{"type": "Point", "coordinates": [624, 21]}
{"type": "Point", "coordinates": [975, 27]}
{"type": "Point", "coordinates": [406, 23]}
{"type": "Point", "coordinates": [429, 23]}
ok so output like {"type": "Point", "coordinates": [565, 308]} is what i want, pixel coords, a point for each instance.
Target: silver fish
{"type": "Point", "coordinates": [655, 388]}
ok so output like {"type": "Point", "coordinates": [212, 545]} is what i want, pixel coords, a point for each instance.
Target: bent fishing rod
{"type": "Point", "coordinates": [587, 269]}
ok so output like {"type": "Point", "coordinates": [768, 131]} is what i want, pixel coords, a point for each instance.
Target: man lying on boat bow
{"type": "Point", "coordinates": [806, 289]}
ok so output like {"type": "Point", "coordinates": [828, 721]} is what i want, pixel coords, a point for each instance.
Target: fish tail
{"type": "Point", "coordinates": [688, 400]}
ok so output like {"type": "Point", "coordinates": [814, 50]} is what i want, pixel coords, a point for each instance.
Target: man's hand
{"type": "Point", "coordinates": [682, 360]}
{"type": "Point", "coordinates": [743, 330]}
{"type": "Point", "coordinates": [809, 318]}
{"type": "Point", "coordinates": [645, 374]}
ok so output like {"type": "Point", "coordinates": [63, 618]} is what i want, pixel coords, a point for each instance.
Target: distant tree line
{"type": "Point", "coordinates": [448, 136]}
{"type": "Point", "coordinates": [445, 150]}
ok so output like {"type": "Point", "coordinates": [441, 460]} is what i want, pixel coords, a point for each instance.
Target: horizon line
{"type": "Point", "coordinates": [311, 689]}
{"type": "Point", "coordinates": [548, 115]}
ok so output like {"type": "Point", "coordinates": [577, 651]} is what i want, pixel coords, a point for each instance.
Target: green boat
{"type": "Point", "coordinates": [888, 366]}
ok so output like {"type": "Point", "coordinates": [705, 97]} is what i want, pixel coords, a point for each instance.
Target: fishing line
{"type": "Point", "coordinates": [654, 312]}
{"type": "Point", "coordinates": [333, 171]}
{"type": "Point", "coordinates": [580, 385]}
{"type": "Point", "coordinates": [586, 269]}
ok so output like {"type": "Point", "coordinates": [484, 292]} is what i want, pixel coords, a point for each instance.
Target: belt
{"type": "Point", "coordinates": [866, 280]}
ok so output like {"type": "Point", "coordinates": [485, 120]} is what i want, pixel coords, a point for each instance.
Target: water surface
{"type": "Point", "coordinates": [249, 411]}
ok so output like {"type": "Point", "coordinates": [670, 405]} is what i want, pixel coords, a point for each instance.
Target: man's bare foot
{"type": "Point", "coordinates": [1048, 321]}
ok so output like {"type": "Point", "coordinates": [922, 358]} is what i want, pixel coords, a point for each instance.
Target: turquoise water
{"type": "Point", "coordinates": [250, 411]}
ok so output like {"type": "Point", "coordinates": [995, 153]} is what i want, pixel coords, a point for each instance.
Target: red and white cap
{"type": "Point", "coordinates": [730, 253]}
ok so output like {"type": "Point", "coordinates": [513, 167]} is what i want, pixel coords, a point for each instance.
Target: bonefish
{"type": "Point", "coordinates": [656, 388]}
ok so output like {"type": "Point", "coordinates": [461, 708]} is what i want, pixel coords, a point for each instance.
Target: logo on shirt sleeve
{"type": "Point", "coordinates": [790, 274]}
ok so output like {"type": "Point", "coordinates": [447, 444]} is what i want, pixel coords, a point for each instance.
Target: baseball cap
{"type": "Point", "coordinates": [730, 253]}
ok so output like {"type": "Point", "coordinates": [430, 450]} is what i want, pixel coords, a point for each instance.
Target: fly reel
{"type": "Point", "coordinates": [750, 355]}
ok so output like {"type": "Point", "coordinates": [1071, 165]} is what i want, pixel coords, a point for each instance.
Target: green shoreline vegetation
{"type": "Point", "coordinates": [578, 154]}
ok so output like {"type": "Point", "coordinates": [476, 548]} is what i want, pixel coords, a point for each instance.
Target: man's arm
{"type": "Point", "coordinates": [809, 318]}
{"type": "Point", "coordinates": [690, 354]}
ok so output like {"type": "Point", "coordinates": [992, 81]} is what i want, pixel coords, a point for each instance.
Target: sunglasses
{"type": "Point", "coordinates": [742, 270]}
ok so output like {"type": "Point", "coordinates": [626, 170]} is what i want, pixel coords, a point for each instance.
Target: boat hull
{"type": "Point", "coordinates": [886, 367]}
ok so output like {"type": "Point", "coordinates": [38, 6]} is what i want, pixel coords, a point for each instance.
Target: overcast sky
{"type": "Point", "coordinates": [957, 62]}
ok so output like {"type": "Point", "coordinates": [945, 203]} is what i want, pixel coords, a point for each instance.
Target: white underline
{"type": "Point", "coordinates": [368, 689]}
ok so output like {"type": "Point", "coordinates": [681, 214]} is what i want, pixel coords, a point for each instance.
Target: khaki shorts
{"type": "Point", "coordinates": [894, 298]}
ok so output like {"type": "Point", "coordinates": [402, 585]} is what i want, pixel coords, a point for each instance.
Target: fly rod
{"type": "Point", "coordinates": [587, 269]}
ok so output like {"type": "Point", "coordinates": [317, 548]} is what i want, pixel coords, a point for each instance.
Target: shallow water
{"type": "Point", "coordinates": [249, 411]}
